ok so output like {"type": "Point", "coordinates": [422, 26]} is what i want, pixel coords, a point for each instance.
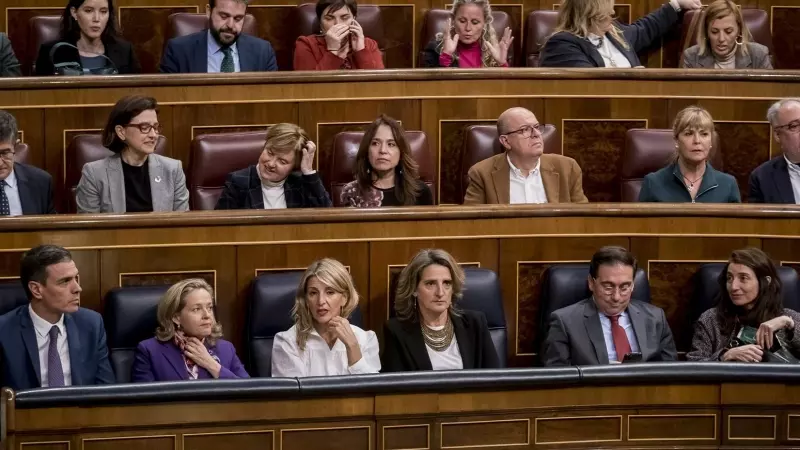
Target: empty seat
{"type": "Point", "coordinates": [706, 289]}
{"type": "Point", "coordinates": [541, 24]}
{"type": "Point", "coordinates": [86, 148]}
{"type": "Point", "coordinates": [130, 317]}
{"type": "Point", "coordinates": [41, 30]}
{"type": "Point", "coordinates": [649, 150]}
{"type": "Point", "coordinates": [12, 294]}
{"type": "Point", "coordinates": [213, 157]}
{"type": "Point", "coordinates": [345, 148]}
{"type": "Point", "coordinates": [184, 24]}
{"type": "Point", "coordinates": [269, 311]}
{"type": "Point", "coordinates": [436, 19]}
{"type": "Point", "coordinates": [482, 293]}
{"type": "Point", "coordinates": [481, 142]}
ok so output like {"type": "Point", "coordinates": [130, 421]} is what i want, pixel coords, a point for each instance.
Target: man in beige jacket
{"type": "Point", "coordinates": [523, 174]}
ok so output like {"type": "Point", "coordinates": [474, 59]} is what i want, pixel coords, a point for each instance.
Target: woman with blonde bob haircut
{"type": "Point", "coordinates": [188, 343]}
{"type": "Point", "coordinates": [322, 342]}
{"type": "Point", "coordinates": [587, 35]}
{"type": "Point", "coordinates": [723, 40]}
{"type": "Point", "coordinates": [429, 331]}
{"type": "Point", "coordinates": [690, 178]}
{"type": "Point", "coordinates": [284, 176]}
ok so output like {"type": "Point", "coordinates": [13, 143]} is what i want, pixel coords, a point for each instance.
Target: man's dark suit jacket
{"type": "Point", "coordinates": [19, 351]}
{"type": "Point", "coordinates": [9, 65]}
{"type": "Point", "coordinates": [189, 54]}
{"type": "Point", "coordinates": [770, 183]}
{"type": "Point", "coordinates": [404, 347]}
{"type": "Point", "coordinates": [119, 51]}
{"type": "Point", "coordinates": [35, 188]}
{"type": "Point", "coordinates": [564, 49]}
{"type": "Point", "coordinates": [243, 191]}
{"type": "Point", "coordinates": [575, 335]}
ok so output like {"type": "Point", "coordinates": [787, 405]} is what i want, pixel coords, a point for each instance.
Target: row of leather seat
{"type": "Point", "coordinates": [130, 312]}
{"type": "Point", "coordinates": [214, 156]}
{"type": "Point", "coordinates": [406, 383]}
{"type": "Point", "coordinates": [540, 24]}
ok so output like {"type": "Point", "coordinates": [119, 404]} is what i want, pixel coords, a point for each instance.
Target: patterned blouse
{"type": "Point", "coordinates": [375, 198]}
{"type": "Point", "coordinates": [708, 344]}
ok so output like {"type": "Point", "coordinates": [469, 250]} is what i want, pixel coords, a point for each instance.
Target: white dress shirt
{"type": "Point", "coordinates": [215, 56]}
{"type": "Point", "coordinates": [612, 56]}
{"type": "Point", "coordinates": [447, 359]}
{"type": "Point", "coordinates": [42, 328]}
{"type": "Point", "coordinates": [12, 193]}
{"type": "Point", "coordinates": [318, 359]}
{"type": "Point", "coordinates": [794, 177]}
{"type": "Point", "coordinates": [625, 323]}
{"type": "Point", "coordinates": [524, 189]}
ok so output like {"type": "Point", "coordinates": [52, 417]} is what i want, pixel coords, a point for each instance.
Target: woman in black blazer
{"type": "Point", "coordinates": [91, 44]}
{"type": "Point", "coordinates": [429, 332]}
{"type": "Point", "coordinates": [587, 35]}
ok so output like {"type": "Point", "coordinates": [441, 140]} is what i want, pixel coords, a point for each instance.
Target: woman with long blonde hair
{"type": "Point", "coordinates": [468, 39]}
{"type": "Point", "coordinates": [587, 35]}
{"type": "Point", "coordinates": [723, 40]}
{"type": "Point", "coordinates": [322, 342]}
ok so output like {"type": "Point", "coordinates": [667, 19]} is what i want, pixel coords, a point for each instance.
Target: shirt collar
{"type": "Point", "coordinates": [518, 172]}
{"type": "Point", "coordinates": [792, 166]}
{"type": "Point", "coordinates": [214, 47]}
{"type": "Point", "coordinates": [596, 40]}
{"type": "Point", "coordinates": [269, 184]}
{"type": "Point", "coordinates": [42, 326]}
{"type": "Point", "coordinates": [11, 179]}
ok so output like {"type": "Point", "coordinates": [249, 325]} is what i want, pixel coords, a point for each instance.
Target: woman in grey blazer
{"type": "Point", "coordinates": [133, 179]}
{"type": "Point", "coordinates": [723, 41]}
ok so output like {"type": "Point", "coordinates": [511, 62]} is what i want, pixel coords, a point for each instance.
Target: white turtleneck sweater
{"type": "Point", "coordinates": [273, 193]}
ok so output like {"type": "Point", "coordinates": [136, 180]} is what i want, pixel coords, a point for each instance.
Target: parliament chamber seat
{"type": "Point", "coordinates": [649, 150]}
{"type": "Point", "coordinates": [83, 149]}
{"type": "Point", "coordinates": [213, 157]}
{"type": "Point", "coordinates": [757, 21]}
{"type": "Point", "coordinates": [339, 170]}
{"type": "Point", "coordinates": [436, 19]}
{"type": "Point", "coordinates": [21, 153]}
{"type": "Point", "coordinates": [183, 24]}
{"type": "Point", "coordinates": [706, 289]}
{"type": "Point", "coordinates": [41, 30]}
{"type": "Point", "coordinates": [130, 317]}
{"type": "Point", "coordinates": [269, 311]}
{"type": "Point", "coordinates": [369, 16]}
{"type": "Point", "coordinates": [12, 294]}
{"type": "Point", "coordinates": [482, 293]}
{"type": "Point", "coordinates": [482, 142]}
{"type": "Point", "coordinates": [541, 24]}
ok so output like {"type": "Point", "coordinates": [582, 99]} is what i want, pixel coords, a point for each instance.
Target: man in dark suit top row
{"type": "Point", "coordinates": [607, 326]}
{"type": "Point", "coordinates": [778, 180]}
{"type": "Point", "coordinates": [52, 341]}
{"type": "Point", "coordinates": [24, 189]}
{"type": "Point", "coordinates": [222, 47]}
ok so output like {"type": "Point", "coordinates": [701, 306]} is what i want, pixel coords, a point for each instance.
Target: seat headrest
{"type": "Point", "coordinates": [541, 24]}
{"type": "Point", "coordinates": [41, 30]}
{"type": "Point", "coordinates": [482, 293]}
{"type": "Point", "coordinates": [184, 24]}
{"type": "Point", "coordinates": [12, 295]}
{"type": "Point", "coordinates": [21, 152]}
{"type": "Point", "coordinates": [213, 157]}
{"type": "Point", "coordinates": [130, 315]}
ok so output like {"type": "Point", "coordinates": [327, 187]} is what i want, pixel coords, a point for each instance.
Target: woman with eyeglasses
{"type": "Point", "coordinates": [134, 178]}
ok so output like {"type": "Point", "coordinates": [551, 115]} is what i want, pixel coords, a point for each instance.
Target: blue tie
{"type": "Point", "coordinates": [55, 373]}
{"type": "Point", "coordinates": [5, 210]}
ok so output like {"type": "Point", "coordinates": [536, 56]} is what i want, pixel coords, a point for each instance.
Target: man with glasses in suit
{"type": "Point", "coordinates": [778, 180]}
{"type": "Point", "coordinates": [25, 189]}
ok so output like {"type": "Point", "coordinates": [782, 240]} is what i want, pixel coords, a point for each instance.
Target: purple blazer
{"type": "Point", "coordinates": [162, 361]}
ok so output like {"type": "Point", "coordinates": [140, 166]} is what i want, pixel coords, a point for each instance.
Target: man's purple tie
{"type": "Point", "coordinates": [55, 373]}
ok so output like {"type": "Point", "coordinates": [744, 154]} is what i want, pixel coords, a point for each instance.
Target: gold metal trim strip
{"type": "Point", "coordinates": [754, 416]}
{"type": "Point", "coordinates": [526, 443]}
{"type": "Point", "coordinates": [536, 424]}
{"type": "Point", "coordinates": [671, 439]}
{"type": "Point", "coordinates": [271, 432]}
{"type": "Point", "coordinates": [368, 427]}
{"type": "Point", "coordinates": [428, 434]}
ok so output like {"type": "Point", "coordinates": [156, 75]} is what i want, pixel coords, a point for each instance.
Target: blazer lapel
{"type": "Point", "coordinates": [254, 190]}
{"type": "Point", "coordinates": [783, 184]}
{"type": "Point", "coordinates": [465, 344]}
{"type": "Point", "coordinates": [199, 62]}
{"type": "Point", "coordinates": [416, 346]}
{"type": "Point", "coordinates": [116, 184]}
{"type": "Point", "coordinates": [630, 55]}
{"type": "Point", "coordinates": [638, 320]}
{"type": "Point", "coordinates": [500, 177]}
{"type": "Point", "coordinates": [173, 354]}
{"type": "Point", "coordinates": [159, 192]}
{"type": "Point", "coordinates": [29, 339]}
{"type": "Point", "coordinates": [595, 331]}
{"type": "Point", "coordinates": [550, 180]}
{"type": "Point", "coordinates": [74, 343]}
{"type": "Point", "coordinates": [593, 53]}
{"type": "Point", "coordinates": [705, 61]}
{"type": "Point", "coordinates": [243, 50]}
{"type": "Point", "coordinates": [293, 191]}
{"type": "Point", "coordinates": [743, 61]}
{"type": "Point", "coordinates": [24, 190]}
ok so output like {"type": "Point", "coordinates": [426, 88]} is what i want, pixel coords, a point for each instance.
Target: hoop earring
{"type": "Point", "coordinates": [739, 40]}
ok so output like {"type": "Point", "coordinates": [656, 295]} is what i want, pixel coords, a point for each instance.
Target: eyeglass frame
{"type": "Point", "coordinates": [624, 289]}
{"type": "Point", "coordinates": [786, 126]}
{"type": "Point", "coordinates": [139, 126]}
{"type": "Point", "coordinates": [537, 128]}
{"type": "Point", "coordinates": [8, 155]}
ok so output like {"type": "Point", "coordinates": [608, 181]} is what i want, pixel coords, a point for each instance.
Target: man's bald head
{"type": "Point", "coordinates": [510, 117]}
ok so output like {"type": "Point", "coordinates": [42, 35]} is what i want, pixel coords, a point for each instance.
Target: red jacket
{"type": "Point", "coordinates": [311, 53]}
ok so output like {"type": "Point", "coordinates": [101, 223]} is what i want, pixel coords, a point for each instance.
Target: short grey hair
{"type": "Point", "coordinates": [8, 128]}
{"type": "Point", "coordinates": [772, 112]}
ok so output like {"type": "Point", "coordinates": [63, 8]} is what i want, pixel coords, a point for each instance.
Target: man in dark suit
{"type": "Point", "coordinates": [606, 327]}
{"type": "Point", "coordinates": [24, 189]}
{"type": "Point", "coordinates": [221, 48]}
{"type": "Point", "coordinates": [52, 341]}
{"type": "Point", "coordinates": [9, 65]}
{"type": "Point", "coordinates": [778, 180]}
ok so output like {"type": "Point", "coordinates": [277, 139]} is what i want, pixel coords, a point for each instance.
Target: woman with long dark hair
{"type": "Point", "coordinates": [750, 295]}
{"type": "Point", "coordinates": [91, 46]}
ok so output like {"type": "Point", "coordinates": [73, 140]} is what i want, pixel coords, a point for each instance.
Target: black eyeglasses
{"type": "Point", "coordinates": [793, 126]}
{"type": "Point", "coordinates": [7, 155]}
{"type": "Point", "coordinates": [146, 127]}
{"type": "Point", "coordinates": [526, 131]}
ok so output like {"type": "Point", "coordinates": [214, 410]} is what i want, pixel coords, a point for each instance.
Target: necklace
{"type": "Point", "coordinates": [438, 340]}
{"type": "Point", "coordinates": [690, 183]}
